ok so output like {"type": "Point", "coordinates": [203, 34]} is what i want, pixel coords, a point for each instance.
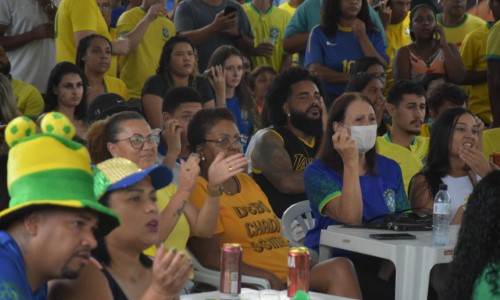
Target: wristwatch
{"type": "Point", "coordinates": [214, 193]}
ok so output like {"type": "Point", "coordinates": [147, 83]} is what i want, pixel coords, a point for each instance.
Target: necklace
{"type": "Point", "coordinates": [228, 192]}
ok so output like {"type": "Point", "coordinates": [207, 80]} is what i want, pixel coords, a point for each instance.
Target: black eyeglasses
{"type": "Point", "coordinates": [227, 141]}
{"type": "Point", "coordinates": [137, 141]}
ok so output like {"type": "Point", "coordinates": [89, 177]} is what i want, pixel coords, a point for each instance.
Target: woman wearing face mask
{"type": "Point", "coordinates": [349, 183]}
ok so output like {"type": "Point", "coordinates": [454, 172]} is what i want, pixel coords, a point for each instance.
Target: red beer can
{"type": "Point", "coordinates": [230, 266]}
{"type": "Point", "coordinates": [298, 270]}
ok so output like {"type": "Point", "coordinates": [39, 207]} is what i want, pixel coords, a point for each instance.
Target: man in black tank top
{"type": "Point", "coordinates": [293, 114]}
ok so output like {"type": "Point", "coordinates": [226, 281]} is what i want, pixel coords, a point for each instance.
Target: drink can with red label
{"type": "Point", "coordinates": [298, 270]}
{"type": "Point", "coordinates": [230, 266]}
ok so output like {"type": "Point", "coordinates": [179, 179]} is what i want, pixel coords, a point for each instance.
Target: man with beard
{"type": "Point", "coordinates": [53, 218]}
{"type": "Point", "coordinates": [406, 106]}
{"type": "Point", "coordinates": [27, 33]}
{"type": "Point", "coordinates": [29, 100]}
{"type": "Point", "coordinates": [294, 109]}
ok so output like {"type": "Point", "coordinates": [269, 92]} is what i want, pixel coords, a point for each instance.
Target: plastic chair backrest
{"type": "Point", "coordinates": [297, 220]}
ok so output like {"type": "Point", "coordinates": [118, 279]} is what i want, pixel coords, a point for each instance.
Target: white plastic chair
{"type": "Point", "coordinates": [212, 277]}
{"type": "Point", "coordinates": [297, 220]}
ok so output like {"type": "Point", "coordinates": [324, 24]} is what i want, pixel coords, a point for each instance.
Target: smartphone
{"type": "Point", "coordinates": [392, 236]}
{"type": "Point", "coordinates": [229, 10]}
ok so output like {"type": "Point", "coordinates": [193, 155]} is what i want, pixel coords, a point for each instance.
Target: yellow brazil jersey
{"type": "Point", "coordinates": [74, 16]}
{"type": "Point", "coordinates": [113, 67]}
{"type": "Point", "coordinates": [455, 34]}
{"type": "Point", "coordinates": [410, 160]}
{"type": "Point", "coordinates": [398, 35]}
{"type": "Point", "coordinates": [116, 85]}
{"type": "Point", "coordinates": [426, 129]}
{"type": "Point", "coordinates": [290, 9]}
{"type": "Point", "coordinates": [493, 44]}
{"type": "Point", "coordinates": [473, 53]}
{"type": "Point", "coordinates": [180, 234]}
{"type": "Point", "coordinates": [270, 24]}
{"type": "Point", "coordinates": [29, 100]}
{"type": "Point", "coordinates": [142, 62]}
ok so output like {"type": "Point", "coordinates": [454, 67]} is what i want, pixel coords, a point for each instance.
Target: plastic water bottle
{"type": "Point", "coordinates": [441, 217]}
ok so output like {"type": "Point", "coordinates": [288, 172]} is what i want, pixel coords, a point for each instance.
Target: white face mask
{"type": "Point", "coordinates": [365, 137]}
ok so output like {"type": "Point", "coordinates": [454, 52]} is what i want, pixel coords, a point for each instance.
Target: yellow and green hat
{"type": "Point", "coordinates": [119, 173]}
{"type": "Point", "coordinates": [49, 169]}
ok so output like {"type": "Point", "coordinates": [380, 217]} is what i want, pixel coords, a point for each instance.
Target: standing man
{"type": "Point", "coordinates": [209, 25]}
{"type": "Point", "coordinates": [406, 106]}
{"type": "Point", "coordinates": [295, 109]}
{"type": "Point", "coordinates": [53, 219]}
{"type": "Point", "coordinates": [29, 100]}
{"type": "Point", "coordinates": [27, 34]}
{"type": "Point", "coordinates": [456, 22]}
{"type": "Point", "coordinates": [142, 61]}
{"type": "Point", "coordinates": [493, 61]}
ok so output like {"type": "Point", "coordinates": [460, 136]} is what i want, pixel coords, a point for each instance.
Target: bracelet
{"type": "Point", "coordinates": [214, 193]}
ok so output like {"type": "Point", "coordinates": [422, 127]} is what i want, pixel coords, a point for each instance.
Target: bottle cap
{"type": "Point", "coordinates": [301, 295]}
{"type": "Point", "coordinates": [443, 186]}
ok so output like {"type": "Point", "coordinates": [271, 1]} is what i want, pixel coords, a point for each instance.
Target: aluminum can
{"type": "Point", "coordinates": [298, 270]}
{"type": "Point", "coordinates": [230, 269]}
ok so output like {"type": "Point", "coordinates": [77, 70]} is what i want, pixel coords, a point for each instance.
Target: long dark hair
{"type": "Point", "coordinates": [331, 13]}
{"type": "Point", "coordinates": [84, 45]}
{"type": "Point", "coordinates": [478, 245]}
{"type": "Point", "coordinates": [327, 154]}
{"type": "Point", "coordinates": [166, 55]}
{"type": "Point", "coordinates": [242, 92]}
{"type": "Point", "coordinates": [51, 101]}
{"type": "Point", "coordinates": [438, 157]}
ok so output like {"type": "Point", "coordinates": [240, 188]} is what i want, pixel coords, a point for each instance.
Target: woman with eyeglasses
{"type": "Point", "coordinates": [93, 56]}
{"type": "Point", "coordinates": [128, 135]}
{"type": "Point", "coordinates": [246, 216]}
{"type": "Point", "coordinates": [429, 52]}
{"type": "Point", "coordinates": [67, 93]}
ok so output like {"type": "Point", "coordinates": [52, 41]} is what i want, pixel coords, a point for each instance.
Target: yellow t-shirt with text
{"type": "Point", "coordinates": [248, 219]}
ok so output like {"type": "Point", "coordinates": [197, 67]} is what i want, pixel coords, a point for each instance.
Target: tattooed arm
{"type": "Point", "coordinates": [270, 156]}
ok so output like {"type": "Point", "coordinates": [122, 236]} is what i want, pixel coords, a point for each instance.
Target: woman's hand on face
{"type": "Point", "coordinates": [190, 169]}
{"type": "Point", "coordinates": [442, 36]}
{"type": "Point", "coordinates": [172, 135]}
{"type": "Point", "coordinates": [474, 158]}
{"type": "Point", "coordinates": [359, 28]}
{"type": "Point", "coordinates": [221, 169]}
{"type": "Point", "coordinates": [217, 78]}
{"type": "Point", "coordinates": [171, 270]}
{"type": "Point", "coordinates": [344, 145]}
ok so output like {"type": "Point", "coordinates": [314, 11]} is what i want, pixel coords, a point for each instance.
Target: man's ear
{"type": "Point", "coordinates": [286, 108]}
{"type": "Point", "coordinates": [33, 221]}
{"type": "Point", "coordinates": [166, 116]}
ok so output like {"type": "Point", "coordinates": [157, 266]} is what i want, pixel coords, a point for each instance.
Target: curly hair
{"type": "Point", "coordinates": [203, 121]}
{"type": "Point", "coordinates": [478, 246]}
{"type": "Point", "coordinates": [280, 90]}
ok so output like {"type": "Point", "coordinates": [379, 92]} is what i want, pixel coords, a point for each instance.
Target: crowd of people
{"type": "Point", "coordinates": [144, 128]}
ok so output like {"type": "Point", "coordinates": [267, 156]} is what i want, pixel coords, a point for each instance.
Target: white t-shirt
{"type": "Point", "coordinates": [459, 189]}
{"type": "Point", "coordinates": [32, 62]}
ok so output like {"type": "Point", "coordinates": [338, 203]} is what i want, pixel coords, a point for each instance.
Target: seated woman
{"type": "Point", "coordinates": [453, 159]}
{"type": "Point", "coordinates": [178, 67]}
{"type": "Point", "coordinates": [474, 271]}
{"type": "Point", "coordinates": [93, 56]}
{"type": "Point", "coordinates": [67, 93]}
{"type": "Point", "coordinates": [350, 183]}
{"type": "Point", "coordinates": [128, 135]}
{"type": "Point", "coordinates": [373, 88]}
{"type": "Point", "coordinates": [370, 65]}
{"type": "Point", "coordinates": [243, 206]}
{"type": "Point", "coordinates": [120, 270]}
{"type": "Point", "coordinates": [345, 34]}
{"type": "Point", "coordinates": [429, 52]}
